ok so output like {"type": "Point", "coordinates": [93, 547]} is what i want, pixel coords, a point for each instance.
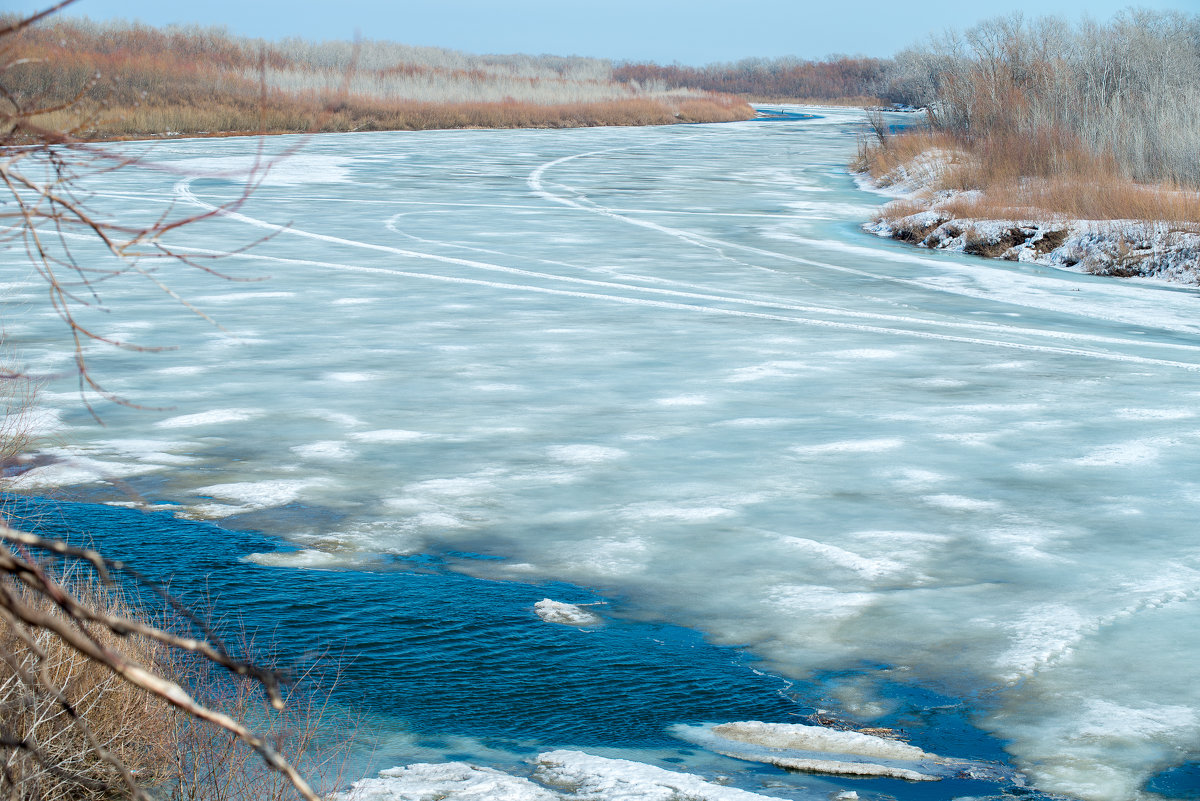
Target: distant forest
{"type": "Point", "coordinates": [849, 80]}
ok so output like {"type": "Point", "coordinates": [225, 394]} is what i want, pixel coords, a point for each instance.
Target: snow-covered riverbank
{"type": "Point", "coordinates": [1161, 250]}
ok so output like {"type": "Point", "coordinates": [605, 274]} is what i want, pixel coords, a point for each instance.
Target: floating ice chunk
{"type": "Point", "coordinates": [584, 777]}
{"type": "Point", "coordinates": [566, 614]}
{"type": "Point", "coordinates": [451, 781]}
{"type": "Point", "coordinates": [313, 559]}
{"type": "Point", "coordinates": [567, 776]}
{"type": "Point", "coordinates": [815, 749]}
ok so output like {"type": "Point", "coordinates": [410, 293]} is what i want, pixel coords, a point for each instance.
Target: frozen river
{"type": "Point", "coordinates": [665, 365]}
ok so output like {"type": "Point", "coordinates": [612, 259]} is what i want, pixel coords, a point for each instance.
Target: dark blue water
{"type": "Point", "coordinates": [442, 654]}
{"type": "Point", "coordinates": [425, 645]}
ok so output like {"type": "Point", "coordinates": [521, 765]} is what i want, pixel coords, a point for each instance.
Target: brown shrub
{"type": "Point", "coordinates": [60, 763]}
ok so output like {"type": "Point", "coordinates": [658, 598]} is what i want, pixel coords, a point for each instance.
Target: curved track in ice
{"type": "Point", "coordinates": [183, 189]}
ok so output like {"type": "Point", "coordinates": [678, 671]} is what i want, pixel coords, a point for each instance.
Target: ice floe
{"type": "Point", "coordinates": [559, 776]}
{"type": "Point", "coordinates": [567, 614]}
{"type": "Point", "coordinates": [817, 749]}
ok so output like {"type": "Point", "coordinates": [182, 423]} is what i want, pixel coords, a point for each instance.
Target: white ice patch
{"type": "Point", "coordinates": [960, 503]}
{"type": "Point", "coordinates": [683, 400]}
{"type": "Point", "coordinates": [584, 454]}
{"type": "Point", "coordinates": [1041, 636]}
{"type": "Point", "coordinates": [860, 353]}
{"type": "Point", "coordinates": [817, 602]}
{"type": "Point", "coordinates": [1126, 454]}
{"type": "Point", "coordinates": [653, 511]}
{"type": "Point", "coordinates": [39, 421]}
{"type": "Point", "coordinates": [77, 470]}
{"type": "Point", "coordinates": [154, 451]}
{"type": "Point", "coordinates": [448, 781]}
{"type": "Point", "coordinates": [210, 418]}
{"type": "Point", "coordinates": [237, 297]}
{"type": "Point", "coordinates": [314, 559]}
{"type": "Point", "coordinates": [866, 567]}
{"type": "Point", "coordinates": [296, 169]}
{"type": "Point", "coordinates": [183, 369]}
{"type": "Point", "coordinates": [849, 446]}
{"type": "Point", "coordinates": [584, 777]}
{"type": "Point", "coordinates": [248, 495]}
{"type": "Point", "coordinates": [389, 435]}
{"type": "Point", "coordinates": [772, 369]}
{"type": "Point", "coordinates": [566, 614]}
{"type": "Point", "coordinates": [1154, 414]}
{"type": "Point", "coordinates": [351, 378]}
{"type": "Point", "coordinates": [560, 776]}
{"type": "Point", "coordinates": [328, 450]}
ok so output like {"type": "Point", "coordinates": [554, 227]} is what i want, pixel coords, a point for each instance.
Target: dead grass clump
{"type": "Point", "coordinates": [1007, 176]}
{"type": "Point", "coordinates": [930, 158]}
{"type": "Point", "coordinates": [70, 727]}
{"type": "Point", "coordinates": [56, 759]}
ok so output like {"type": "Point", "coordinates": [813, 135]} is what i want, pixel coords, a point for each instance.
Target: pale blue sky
{"type": "Point", "coordinates": [688, 31]}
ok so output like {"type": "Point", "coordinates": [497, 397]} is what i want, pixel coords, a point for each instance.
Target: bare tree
{"type": "Point", "coordinates": [67, 640]}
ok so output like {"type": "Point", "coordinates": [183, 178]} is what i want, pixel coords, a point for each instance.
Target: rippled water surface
{"type": "Point", "coordinates": [665, 365]}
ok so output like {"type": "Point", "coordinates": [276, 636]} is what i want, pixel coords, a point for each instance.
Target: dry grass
{"type": "Point", "coordinates": [1044, 175]}
{"type": "Point", "coordinates": [284, 115]}
{"type": "Point", "coordinates": [62, 765]}
{"type": "Point", "coordinates": [1070, 197]}
{"type": "Point", "coordinates": [197, 82]}
{"type": "Point", "coordinates": [169, 752]}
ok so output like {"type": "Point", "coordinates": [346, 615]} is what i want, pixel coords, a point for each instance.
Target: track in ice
{"type": "Point", "coordinates": [184, 192]}
{"type": "Point", "coordinates": [755, 299]}
{"type": "Point", "coordinates": [537, 184]}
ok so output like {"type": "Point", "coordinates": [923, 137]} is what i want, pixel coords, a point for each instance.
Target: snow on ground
{"type": "Point", "coordinates": [1121, 248]}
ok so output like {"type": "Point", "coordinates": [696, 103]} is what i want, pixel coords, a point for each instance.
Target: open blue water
{"type": "Point", "coordinates": [664, 368]}
{"type": "Point", "coordinates": [438, 656]}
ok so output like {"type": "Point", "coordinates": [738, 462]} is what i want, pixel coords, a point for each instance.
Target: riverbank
{"type": "Point", "coordinates": [116, 81]}
{"type": "Point", "coordinates": [1097, 224]}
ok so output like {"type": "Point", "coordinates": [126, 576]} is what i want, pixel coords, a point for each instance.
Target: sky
{"type": "Point", "coordinates": [692, 32]}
